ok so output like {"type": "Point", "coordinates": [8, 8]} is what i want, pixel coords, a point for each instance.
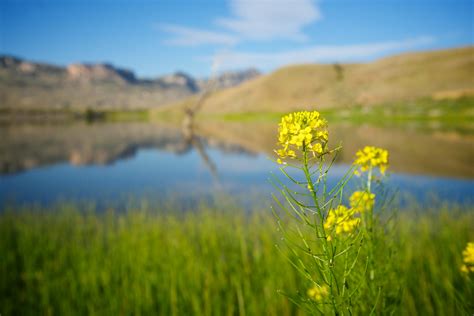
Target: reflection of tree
{"type": "Point", "coordinates": [191, 140]}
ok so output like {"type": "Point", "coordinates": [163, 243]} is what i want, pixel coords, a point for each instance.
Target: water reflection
{"type": "Point", "coordinates": [434, 153]}
{"type": "Point", "coordinates": [27, 147]}
{"type": "Point", "coordinates": [42, 163]}
{"type": "Point", "coordinates": [192, 140]}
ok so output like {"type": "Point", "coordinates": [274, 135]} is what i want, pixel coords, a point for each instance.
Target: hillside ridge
{"type": "Point", "coordinates": [399, 78]}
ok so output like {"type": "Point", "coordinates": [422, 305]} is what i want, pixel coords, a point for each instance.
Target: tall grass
{"type": "Point", "coordinates": [203, 263]}
{"type": "Point", "coordinates": [216, 260]}
{"type": "Point", "coordinates": [430, 257]}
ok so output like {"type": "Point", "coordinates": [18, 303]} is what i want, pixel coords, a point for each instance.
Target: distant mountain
{"type": "Point", "coordinates": [178, 79]}
{"type": "Point", "coordinates": [401, 78]}
{"type": "Point", "coordinates": [229, 79]}
{"type": "Point", "coordinates": [99, 72]}
{"type": "Point", "coordinates": [26, 85]}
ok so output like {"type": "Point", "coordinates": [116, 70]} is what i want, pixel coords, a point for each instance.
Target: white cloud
{"type": "Point", "coordinates": [271, 19]}
{"type": "Point", "coordinates": [186, 36]}
{"type": "Point", "coordinates": [321, 53]}
{"type": "Point", "coordinates": [251, 20]}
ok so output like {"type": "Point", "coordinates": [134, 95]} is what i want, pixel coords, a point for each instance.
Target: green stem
{"type": "Point", "coordinates": [369, 179]}
{"type": "Point", "coordinates": [371, 233]}
{"type": "Point", "coordinates": [326, 247]}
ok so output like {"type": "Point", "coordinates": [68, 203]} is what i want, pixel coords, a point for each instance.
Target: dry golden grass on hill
{"type": "Point", "coordinates": [399, 78]}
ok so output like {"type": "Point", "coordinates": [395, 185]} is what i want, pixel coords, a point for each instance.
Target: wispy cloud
{"type": "Point", "coordinates": [268, 20]}
{"type": "Point", "coordinates": [271, 19]}
{"type": "Point", "coordinates": [186, 36]}
{"type": "Point", "coordinates": [320, 53]}
{"type": "Point", "coordinates": [251, 20]}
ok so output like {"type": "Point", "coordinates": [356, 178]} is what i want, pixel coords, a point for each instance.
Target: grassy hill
{"type": "Point", "coordinates": [405, 77]}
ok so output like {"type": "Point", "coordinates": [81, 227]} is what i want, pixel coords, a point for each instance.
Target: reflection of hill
{"type": "Point", "coordinates": [28, 146]}
{"type": "Point", "coordinates": [412, 151]}
{"type": "Point", "coordinates": [24, 147]}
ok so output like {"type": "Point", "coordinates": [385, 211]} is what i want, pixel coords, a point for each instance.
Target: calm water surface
{"type": "Point", "coordinates": [113, 163]}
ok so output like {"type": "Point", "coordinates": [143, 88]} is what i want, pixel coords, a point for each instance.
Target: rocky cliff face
{"type": "Point", "coordinates": [228, 79]}
{"type": "Point", "coordinates": [100, 72]}
{"type": "Point", "coordinates": [19, 66]}
{"type": "Point", "coordinates": [179, 79]}
{"type": "Point", "coordinates": [234, 78]}
{"type": "Point", "coordinates": [25, 84]}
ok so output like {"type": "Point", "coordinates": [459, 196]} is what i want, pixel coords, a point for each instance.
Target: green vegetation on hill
{"type": "Point", "coordinates": [216, 260]}
{"type": "Point", "coordinates": [397, 79]}
{"type": "Point", "coordinates": [425, 114]}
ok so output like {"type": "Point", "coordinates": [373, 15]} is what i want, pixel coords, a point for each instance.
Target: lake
{"type": "Point", "coordinates": [114, 163]}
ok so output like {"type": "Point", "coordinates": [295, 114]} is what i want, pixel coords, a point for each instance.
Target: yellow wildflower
{"type": "Point", "coordinates": [362, 201]}
{"type": "Point", "coordinates": [371, 157]}
{"type": "Point", "coordinates": [341, 220]}
{"type": "Point", "coordinates": [468, 258]}
{"type": "Point", "coordinates": [318, 293]}
{"type": "Point", "coordinates": [302, 130]}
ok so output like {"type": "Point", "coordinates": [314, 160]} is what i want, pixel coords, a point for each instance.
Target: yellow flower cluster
{"type": "Point", "coordinates": [371, 157]}
{"type": "Point", "coordinates": [302, 131]}
{"type": "Point", "coordinates": [362, 201]}
{"type": "Point", "coordinates": [468, 258]}
{"type": "Point", "coordinates": [318, 293]}
{"type": "Point", "coordinates": [341, 220]}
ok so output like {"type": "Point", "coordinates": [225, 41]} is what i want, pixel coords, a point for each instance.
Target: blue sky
{"type": "Point", "coordinates": [202, 37]}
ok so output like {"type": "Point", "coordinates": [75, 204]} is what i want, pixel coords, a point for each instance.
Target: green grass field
{"type": "Point", "coordinates": [424, 109]}
{"type": "Point", "coordinates": [213, 260]}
